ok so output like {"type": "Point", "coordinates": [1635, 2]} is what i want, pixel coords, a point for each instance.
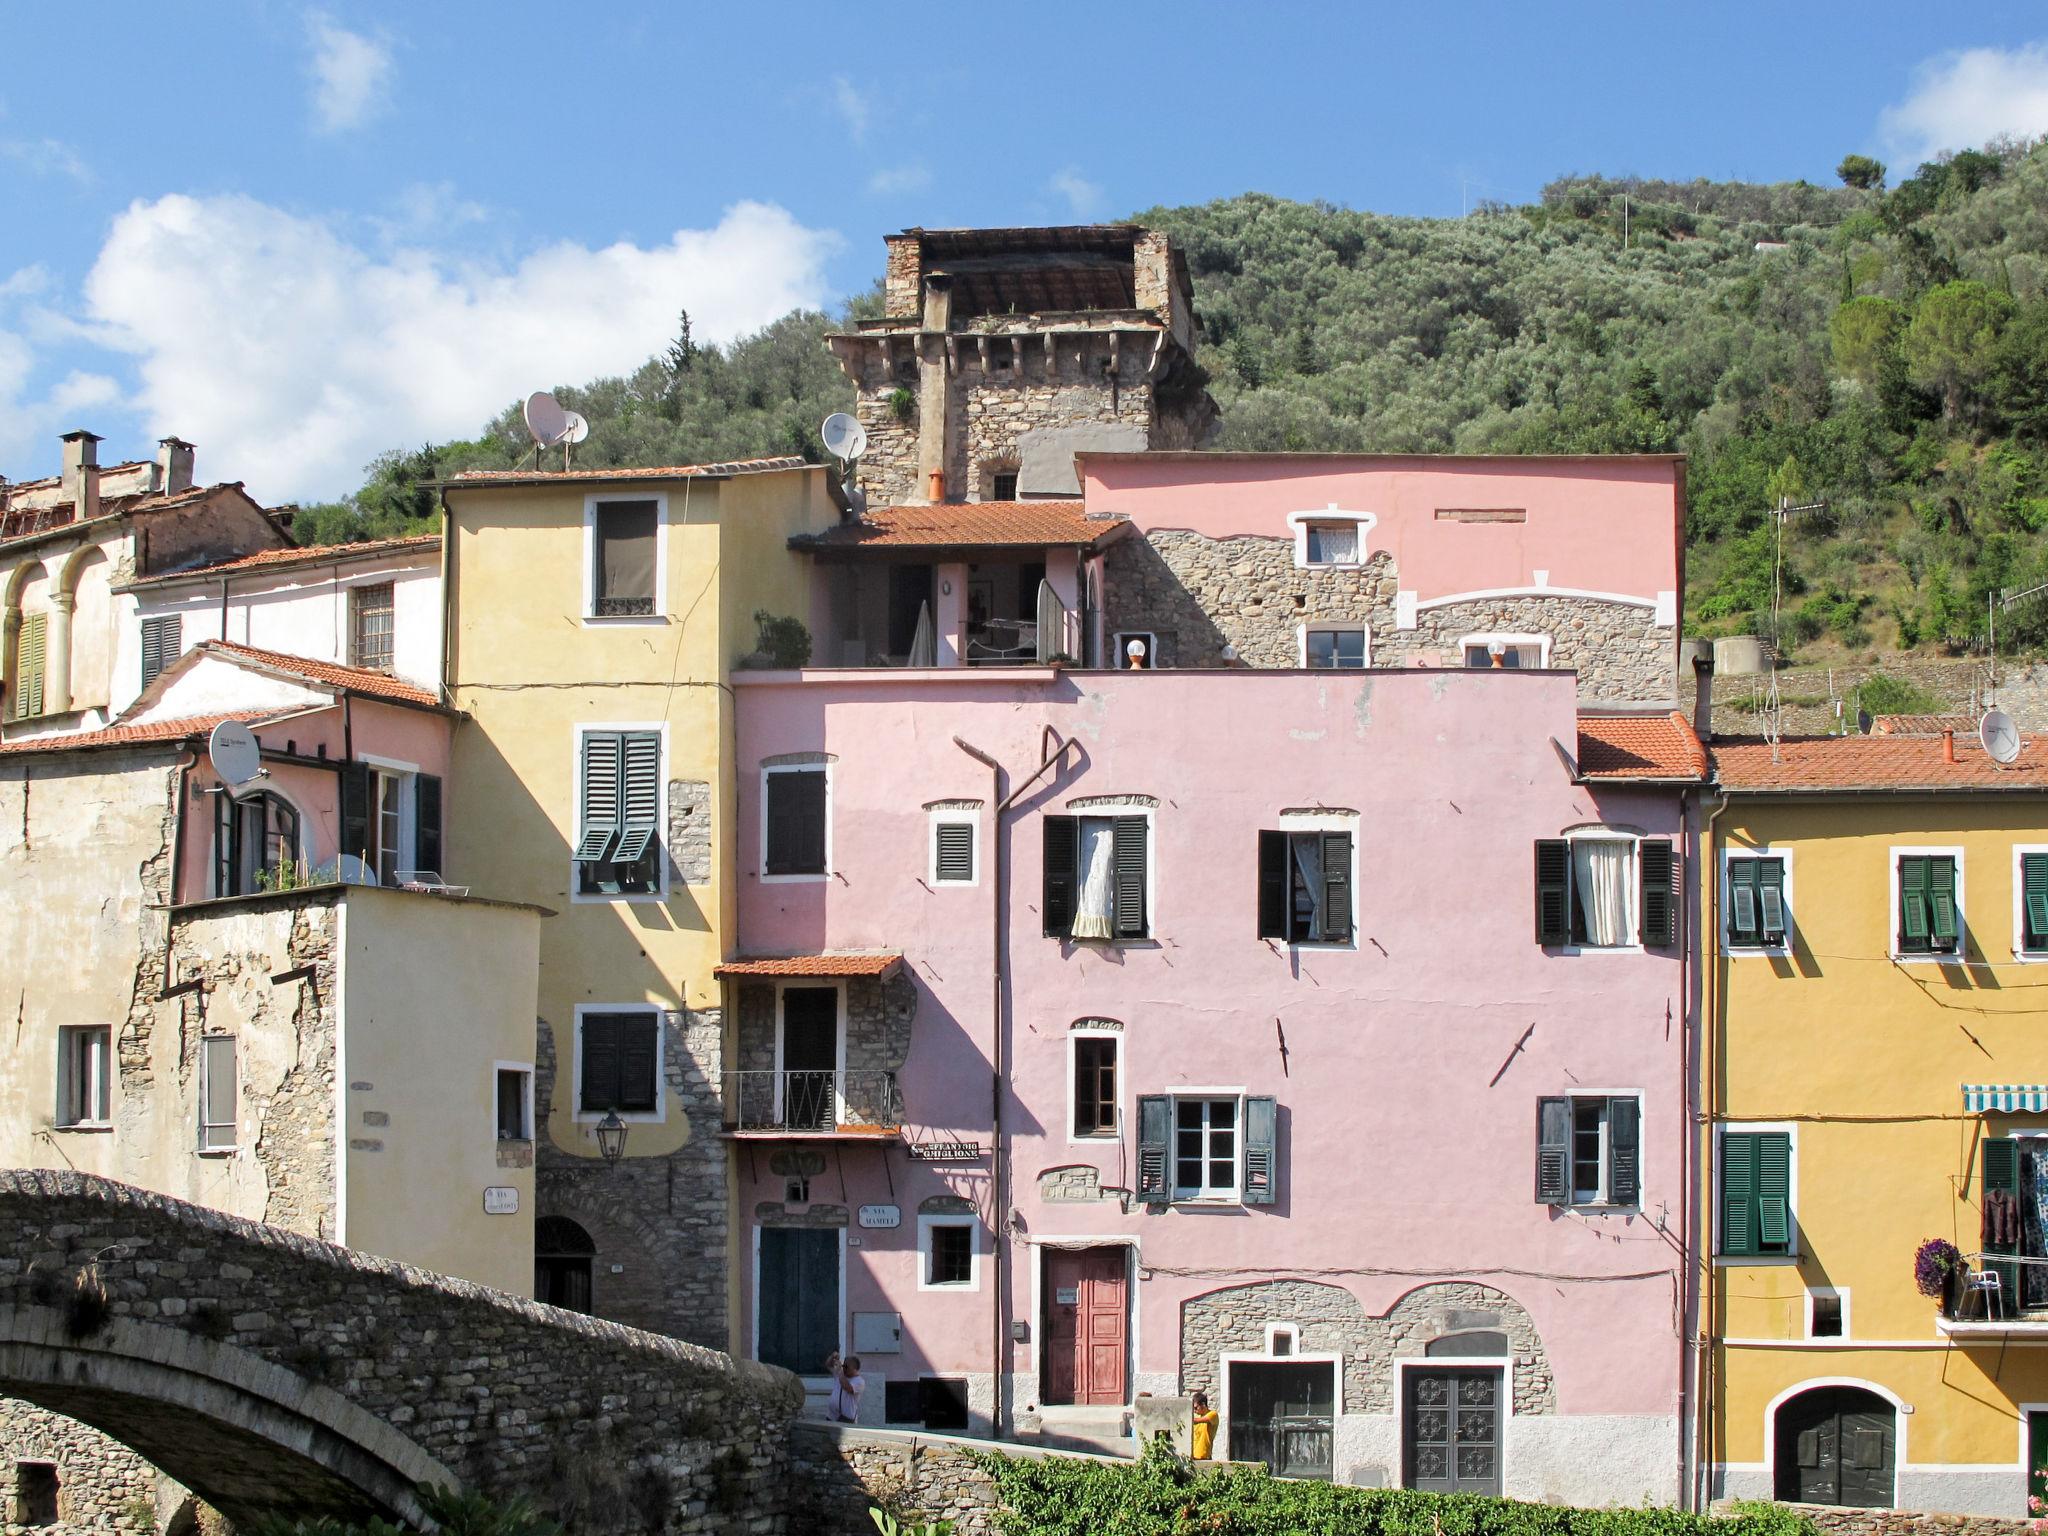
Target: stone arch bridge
{"type": "Point", "coordinates": [276, 1375]}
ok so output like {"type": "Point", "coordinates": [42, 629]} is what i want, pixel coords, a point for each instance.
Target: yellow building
{"type": "Point", "coordinates": [1876, 1075]}
{"type": "Point", "coordinates": [594, 618]}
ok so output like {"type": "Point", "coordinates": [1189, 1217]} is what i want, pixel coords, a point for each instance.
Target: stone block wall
{"type": "Point", "coordinates": [101, 1484]}
{"type": "Point", "coordinates": [1622, 655]}
{"type": "Point", "coordinates": [838, 1473]}
{"type": "Point", "coordinates": [1835, 1520]}
{"type": "Point", "coordinates": [689, 830]}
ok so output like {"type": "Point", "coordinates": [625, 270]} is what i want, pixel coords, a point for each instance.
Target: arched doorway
{"type": "Point", "coordinates": [563, 1256]}
{"type": "Point", "coordinates": [1836, 1445]}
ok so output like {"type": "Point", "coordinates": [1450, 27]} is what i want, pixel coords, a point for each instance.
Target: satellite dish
{"type": "Point", "coordinates": [2001, 738]}
{"type": "Point", "coordinates": [844, 437]}
{"type": "Point", "coordinates": [576, 428]}
{"type": "Point", "coordinates": [353, 871]}
{"type": "Point", "coordinates": [233, 752]}
{"type": "Point", "coordinates": [545, 418]}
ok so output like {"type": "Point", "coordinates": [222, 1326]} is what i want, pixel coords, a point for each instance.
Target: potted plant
{"type": "Point", "coordinates": [1937, 1265]}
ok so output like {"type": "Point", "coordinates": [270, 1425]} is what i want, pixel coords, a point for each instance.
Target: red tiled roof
{"type": "Point", "coordinates": [1924, 725]}
{"type": "Point", "coordinates": [1660, 746]}
{"type": "Point", "coordinates": [657, 472]}
{"type": "Point", "coordinates": [157, 731]}
{"type": "Point", "coordinates": [960, 524]}
{"type": "Point", "coordinates": [350, 679]}
{"type": "Point", "coordinates": [28, 522]}
{"type": "Point", "coordinates": [309, 554]}
{"type": "Point", "coordinates": [1820, 763]}
{"type": "Point", "coordinates": [769, 966]}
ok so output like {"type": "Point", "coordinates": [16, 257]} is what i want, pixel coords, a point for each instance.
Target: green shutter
{"type": "Point", "coordinates": [356, 784]}
{"type": "Point", "coordinates": [1913, 927]}
{"type": "Point", "coordinates": [1553, 891]}
{"type": "Point", "coordinates": [600, 1063]}
{"type": "Point", "coordinates": [1155, 1139]}
{"type": "Point", "coordinates": [29, 651]}
{"type": "Point", "coordinates": [1657, 866]}
{"type": "Point", "coordinates": [1941, 902]}
{"type": "Point", "coordinates": [1274, 885]}
{"type": "Point", "coordinates": [1774, 1192]}
{"type": "Point", "coordinates": [639, 1061]}
{"type": "Point", "coordinates": [2034, 896]}
{"type": "Point", "coordinates": [1062, 860]}
{"type": "Point", "coordinates": [1738, 1193]}
{"type": "Point", "coordinates": [1624, 1151]}
{"type": "Point", "coordinates": [1553, 1151]}
{"type": "Point", "coordinates": [640, 795]}
{"type": "Point", "coordinates": [796, 822]}
{"type": "Point", "coordinates": [1770, 874]}
{"type": "Point", "coordinates": [426, 820]}
{"type": "Point", "coordinates": [1128, 860]}
{"type": "Point", "coordinates": [2001, 1160]}
{"type": "Point", "coordinates": [161, 645]}
{"type": "Point", "coordinates": [601, 753]}
{"type": "Point", "coordinates": [1261, 1151]}
{"type": "Point", "coordinates": [1744, 919]}
{"type": "Point", "coordinates": [1336, 888]}
{"type": "Point", "coordinates": [954, 854]}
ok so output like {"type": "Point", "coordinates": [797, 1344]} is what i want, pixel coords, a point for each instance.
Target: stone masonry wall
{"type": "Point", "coordinates": [689, 830]}
{"type": "Point", "coordinates": [1841, 1521]}
{"type": "Point", "coordinates": [838, 1473]}
{"type": "Point", "coordinates": [1620, 653]}
{"type": "Point", "coordinates": [101, 1484]}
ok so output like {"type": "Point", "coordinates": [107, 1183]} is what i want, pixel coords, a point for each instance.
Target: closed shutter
{"type": "Point", "coordinates": [796, 823]}
{"type": "Point", "coordinates": [1738, 1193]}
{"type": "Point", "coordinates": [1261, 1151]}
{"type": "Point", "coordinates": [1774, 1192]}
{"type": "Point", "coordinates": [600, 1063]}
{"type": "Point", "coordinates": [1770, 892]}
{"type": "Point", "coordinates": [602, 751]}
{"type": "Point", "coordinates": [1553, 891]}
{"type": "Point", "coordinates": [1624, 1151]}
{"type": "Point", "coordinates": [1273, 885]}
{"type": "Point", "coordinates": [639, 1061]}
{"type": "Point", "coordinates": [640, 773]}
{"type": "Point", "coordinates": [162, 644]}
{"type": "Point", "coordinates": [1129, 863]}
{"type": "Point", "coordinates": [1658, 867]}
{"type": "Point", "coordinates": [29, 651]}
{"type": "Point", "coordinates": [1155, 1136]}
{"type": "Point", "coordinates": [2001, 1160]}
{"type": "Point", "coordinates": [953, 858]}
{"type": "Point", "coordinates": [1941, 902]}
{"type": "Point", "coordinates": [1745, 925]}
{"type": "Point", "coordinates": [1553, 1151]}
{"type": "Point", "coordinates": [1913, 926]}
{"type": "Point", "coordinates": [1062, 860]}
{"type": "Point", "coordinates": [356, 782]}
{"type": "Point", "coordinates": [1336, 887]}
{"type": "Point", "coordinates": [2034, 898]}
{"type": "Point", "coordinates": [426, 820]}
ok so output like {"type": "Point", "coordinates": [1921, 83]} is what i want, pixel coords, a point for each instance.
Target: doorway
{"type": "Point", "coordinates": [563, 1255]}
{"type": "Point", "coordinates": [796, 1323]}
{"type": "Point", "coordinates": [810, 1057]}
{"type": "Point", "coordinates": [2037, 1453]}
{"type": "Point", "coordinates": [1087, 1324]}
{"type": "Point", "coordinates": [1450, 1428]}
{"type": "Point", "coordinates": [1835, 1445]}
{"type": "Point", "coordinates": [1283, 1413]}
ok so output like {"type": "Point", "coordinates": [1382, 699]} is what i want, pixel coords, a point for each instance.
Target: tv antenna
{"type": "Point", "coordinates": [2000, 737]}
{"type": "Point", "coordinates": [234, 755]}
{"type": "Point", "coordinates": [1993, 606]}
{"type": "Point", "coordinates": [552, 426]}
{"type": "Point", "coordinates": [846, 440]}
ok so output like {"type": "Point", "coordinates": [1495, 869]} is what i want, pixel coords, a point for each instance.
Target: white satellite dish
{"type": "Point", "coordinates": [2001, 738]}
{"type": "Point", "coordinates": [844, 437]}
{"type": "Point", "coordinates": [233, 752]}
{"type": "Point", "coordinates": [575, 428]}
{"type": "Point", "coordinates": [353, 871]}
{"type": "Point", "coordinates": [545, 418]}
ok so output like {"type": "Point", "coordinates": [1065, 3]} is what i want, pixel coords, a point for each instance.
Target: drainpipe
{"type": "Point", "coordinates": [1699, 1191]}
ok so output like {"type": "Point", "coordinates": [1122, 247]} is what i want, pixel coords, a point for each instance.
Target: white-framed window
{"type": "Point", "coordinates": [955, 847]}
{"type": "Point", "coordinates": [625, 538]}
{"type": "Point", "coordinates": [1308, 872]}
{"type": "Point", "coordinates": [1509, 652]}
{"type": "Point", "coordinates": [1606, 889]}
{"type": "Point", "coordinates": [85, 1076]}
{"type": "Point", "coordinates": [372, 626]}
{"type": "Point", "coordinates": [1827, 1312]}
{"type": "Point", "coordinates": [1097, 873]}
{"type": "Point", "coordinates": [1334, 646]}
{"type": "Point", "coordinates": [1134, 650]}
{"type": "Point", "coordinates": [619, 1050]}
{"type": "Point", "coordinates": [1927, 909]}
{"type": "Point", "coordinates": [1206, 1147]}
{"type": "Point", "coordinates": [948, 1253]}
{"type": "Point", "coordinates": [1094, 1081]}
{"type": "Point", "coordinates": [796, 821]}
{"type": "Point", "coordinates": [258, 842]}
{"type": "Point", "coordinates": [1589, 1149]}
{"type": "Point", "coordinates": [512, 1100]}
{"type": "Point", "coordinates": [618, 854]}
{"type": "Point", "coordinates": [1756, 900]}
{"type": "Point", "coordinates": [219, 1093]}
{"type": "Point", "coordinates": [2030, 902]}
{"type": "Point", "coordinates": [1331, 537]}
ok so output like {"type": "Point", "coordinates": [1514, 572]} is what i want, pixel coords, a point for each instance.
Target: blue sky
{"type": "Point", "coordinates": [300, 234]}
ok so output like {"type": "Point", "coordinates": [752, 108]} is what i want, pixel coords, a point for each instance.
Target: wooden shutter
{"type": "Point", "coordinates": [1336, 888]}
{"type": "Point", "coordinates": [1745, 924]}
{"type": "Point", "coordinates": [640, 795]}
{"type": "Point", "coordinates": [1913, 929]}
{"type": "Point", "coordinates": [1155, 1145]}
{"type": "Point", "coordinates": [1738, 1193]}
{"type": "Point", "coordinates": [1062, 885]}
{"type": "Point", "coordinates": [954, 856]}
{"type": "Point", "coordinates": [600, 1063]}
{"type": "Point", "coordinates": [1553, 891]}
{"type": "Point", "coordinates": [1774, 1192]}
{"type": "Point", "coordinates": [639, 1061]}
{"type": "Point", "coordinates": [1770, 894]}
{"type": "Point", "coordinates": [1657, 868]}
{"type": "Point", "coordinates": [356, 784]}
{"type": "Point", "coordinates": [1624, 1151]}
{"type": "Point", "coordinates": [1273, 885]}
{"type": "Point", "coordinates": [602, 751]}
{"type": "Point", "coordinates": [1128, 861]}
{"type": "Point", "coordinates": [1261, 1151]}
{"type": "Point", "coordinates": [426, 820]}
{"type": "Point", "coordinates": [1941, 902]}
{"type": "Point", "coordinates": [1553, 1151]}
{"type": "Point", "coordinates": [2034, 900]}
{"type": "Point", "coordinates": [796, 822]}
{"type": "Point", "coordinates": [224, 845]}
{"type": "Point", "coordinates": [2001, 1163]}
{"type": "Point", "coordinates": [29, 652]}
{"type": "Point", "coordinates": [162, 644]}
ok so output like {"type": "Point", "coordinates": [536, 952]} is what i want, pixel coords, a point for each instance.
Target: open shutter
{"type": "Point", "coordinates": [1738, 1193]}
{"type": "Point", "coordinates": [1062, 859]}
{"type": "Point", "coordinates": [1155, 1138]}
{"type": "Point", "coordinates": [2001, 1159]}
{"type": "Point", "coordinates": [1941, 902]}
{"type": "Point", "coordinates": [1129, 863]}
{"type": "Point", "coordinates": [640, 795]}
{"type": "Point", "coordinates": [1770, 895]}
{"type": "Point", "coordinates": [954, 856]}
{"type": "Point", "coordinates": [1273, 885]}
{"type": "Point", "coordinates": [1774, 1192]}
{"type": "Point", "coordinates": [223, 845]}
{"type": "Point", "coordinates": [1553, 891]}
{"type": "Point", "coordinates": [2034, 895]}
{"type": "Point", "coordinates": [1261, 1151]}
{"type": "Point", "coordinates": [1744, 918]}
{"type": "Point", "coordinates": [600, 1063]}
{"type": "Point", "coordinates": [1553, 1151]}
{"type": "Point", "coordinates": [355, 810]}
{"type": "Point", "coordinates": [29, 652]}
{"type": "Point", "coordinates": [1913, 926]}
{"type": "Point", "coordinates": [601, 754]}
{"type": "Point", "coordinates": [1659, 908]}
{"type": "Point", "coordinates": [1624, 1151]}
{"type": "Point", "coordinates": [1336, 888]}
{"type": "Point", "coordinates": [639, 1060]}
{"type": "Point", "coordinates": [426, 820]}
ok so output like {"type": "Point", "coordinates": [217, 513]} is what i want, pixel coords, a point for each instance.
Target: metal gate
{"type": "Point", "coordinates": [1282, 1413]}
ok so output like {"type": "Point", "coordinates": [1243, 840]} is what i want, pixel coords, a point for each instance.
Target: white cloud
{"type": "Point", "coordinates": [47, 157]}
{"type": "Point", "coordinates": [1965, 99]}
{"type": "Point", "coordinates": [1083, 196]}
{"type": "Point", "coordinates": [899, 180]}
{"type": "Point", "coordinates": [293, 356]}
{"type": "Point", "coordinates": [351, 74]}
{"type": "Point", "coordinates": [850, 105]}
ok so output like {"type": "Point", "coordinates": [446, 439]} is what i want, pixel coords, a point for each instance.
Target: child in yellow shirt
{"type": "Point", "coordinates": [1202, 1441]}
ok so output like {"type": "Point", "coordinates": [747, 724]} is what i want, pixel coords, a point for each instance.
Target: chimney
{"type": "Point", "coordinates": [1948, 746]}
{"type": "Point", "coordinates": [173, 465]}
{"type": "Point", "coordinates": [81, 479]}
{"type": "Point", "coordinates": [932, 383]}
{"type": "Point", "coordinates": [1703, 695]}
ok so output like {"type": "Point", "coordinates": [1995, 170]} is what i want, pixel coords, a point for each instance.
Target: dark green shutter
{"type": "Point", "coordinates": [796, 822]}
{"type": "Point", "coordinates": [601, 753]}
{"type": "Point", "coordinates": [29, 656]}
{"type": "Point", "coordinates": [1745, 916]}
{"type": "Point", "coordinates": [1553, 1151]}
{"type": "Point", "coordinates": [1553, 891]}
{"type": "Point", "coordinates": [1128, 861]}
{"type": "Point", "coordinates": [639, 1061]}
{"type": "Point", "coordinates": [640, 795]}
{"type": "Point", "coordinates": [224, 844]}
{"type": "Point", "coordinates": [600, 1063]}
{"type": "Point", "coordinates": [1624, 1151]}
{"type": "Point", "coordinates": [1062, 860]}
{"type": "Point", "coordinates": [1774, 1192]}
{"type": "Point", "coordinates": [954, 859]}
{"type": "Point", "coordinates": [1738, 1193]}
{"type": "Point", "coordinates": [1273, 885]}
{"type": "Point", "coordinates": [356, 783]}
{"type": "Point", "coordinates": [161, 645]}
{"type": "Point", "coordinates": [426, 817]}
{"type": "Point", "coordinates": [1336, 888]}
{"type": "Point", "coordinates": [1261, 1151]}
{"type": "Point", "coordinates": [1657, 866]}
{"type": "Point", "coordinates": [1770, 892]}
{"type": "Point", "coordinates": [2001, 1161]}
{"type": "Point", "coordinates": [1941, 903]}
{"type": "Point", "coordinates": [1155, 1145]}
{"type": "Point", "coordinates": [1913, 926]}
{"type": "Point", "coordinates": [2034, 899]}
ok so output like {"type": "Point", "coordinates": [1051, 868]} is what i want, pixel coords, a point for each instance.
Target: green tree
{"type": "Point", "coordinates": [1862, 337]}
{"type": "Point", "coordinates": [1948, 343]}
{"type": "Point", "coordinates": [1862, 173]}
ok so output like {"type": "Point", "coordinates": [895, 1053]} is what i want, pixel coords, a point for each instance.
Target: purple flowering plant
{"type": "Point", "coordinates": [1936, 1260]}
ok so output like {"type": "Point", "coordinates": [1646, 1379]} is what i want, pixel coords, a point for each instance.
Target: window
{"type": "Point", "coordinates": [1332, 543]}
{"type": "Point", "coordinates": [1756, 902]}
{"type": "Point", "coordinates": [371, 626]}
{"type": "Point", "coordinates": [1333, 647]}
{"type": "Point", "coordinates": [388, 826]}
{"type": "Point", "coordinates": [1756, 1193]}
{"type": "Point", "coordinates": [255, 844]}
{"type": "Point", "coordinates": [85, 1075]}
{"type": "Point", "coordinates": [795, 837]}
{"type": "Point", "coordinates": [1207, 1147]}
{"type": "Point", "coordinates": [1589, 1150]}
{"type": "Point", "coordinates": [1506, 651]}
{"type": "Point", "coordinates": [1094, 1082]}
{"type": "Point", "coordinates": [948, 1254]}
{"type": "Point", "coordinates": [217, 1093]}
{"type": "Point", "coordinates": [1827, 1314]}
{"type": "Point", "coordinates": [618, 852]}
{"type": "Point", "coordinates": [1305, 887]}
{"type": "Point", "coordinates": [1929, 911]}
{"type": "Point", "coordinates": [30, 651]}
{"type": "Point", "coordinates": [619, 1062]}
{"type": "Point", "coordinates": [953, 838]}
{"type": "Point", "coordinates": [1606, 892]}
{"type": "Point", "coordinates": [391, 820]}
{"type": "Point", "coordinates": [515, 1104]}
{"type": "Point", "coordinates": [1135, 650]}
{"type": "Point", "coordinates": [1003, 483]}
{"type": "Point", "coordinates": [624, 536]}
{"type": "Point", "coordinates": [563, 1257]}
{"type": "Point", "coordinates": [162, 644]}
{"type": "Point", "coordinates": [1095, 877]}
{"type": "Point", "coordinates": [2031, 888]}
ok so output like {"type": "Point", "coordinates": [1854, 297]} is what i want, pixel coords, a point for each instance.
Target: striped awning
{"type": "Point", "coordinates": [2005, 1098]}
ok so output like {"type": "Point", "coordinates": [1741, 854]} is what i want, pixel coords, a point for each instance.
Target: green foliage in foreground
{"type": "Point", "coordinates": [1163, 1495]}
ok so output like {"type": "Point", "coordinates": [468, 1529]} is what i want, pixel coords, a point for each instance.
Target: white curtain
{"type": "Point", "coordinates": [923, 647]}
{"type": "Point", "coordinates": [1092, 915]}
{"type": "Point", "coordinates": [1308, 858]}
{"type": "Point", "coordinates": [1600, 871]}
{"type": "Point", "coordinates": [1336, 543]}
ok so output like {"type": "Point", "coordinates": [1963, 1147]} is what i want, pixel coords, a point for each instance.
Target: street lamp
{"type": "Point", "coordinates": [611, 1138]}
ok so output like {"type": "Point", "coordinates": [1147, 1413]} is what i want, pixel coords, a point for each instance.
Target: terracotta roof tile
{"type": "Point", "coordinates": [360, 680]}
{"type": "Point", "coordinates": [1659, 746]}
{"type": "Point", "coordinates": [309, 554]}
{"type": "Point", "coordinates": [958, 524]}
{"type": "Point", "coordinates": [1924, 725]}
{"type": "Point", "coordinates": [158, 731]}
{"type": "Point", "coordinates": [810, 965]}
{"type": "Point", "coordinates": [630, 472]}
{"type": "Point", "coordinates": [1819, 763]}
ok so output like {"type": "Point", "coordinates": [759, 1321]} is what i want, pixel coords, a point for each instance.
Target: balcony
{"type": "Point", "coordinates": [1990, 1302]}
{"type": "Point", "coordinates": [850, 1106]}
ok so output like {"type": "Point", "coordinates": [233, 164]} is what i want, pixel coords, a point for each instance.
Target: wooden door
{"type": "Point", "coordinates": [1451, 1423]}
{"type": "Point", "coordinates": [1835, 1445]}
{"type": "Point", "coordinates": [1087, 1325]}
{"type": "Point", "coordinates": [810, 1055]}
{"type": "Point", "coordinates": [799, 1280]}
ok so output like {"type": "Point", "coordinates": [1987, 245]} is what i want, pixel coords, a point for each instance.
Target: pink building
{"type": "Point", "coordinates": [1316, 1042]}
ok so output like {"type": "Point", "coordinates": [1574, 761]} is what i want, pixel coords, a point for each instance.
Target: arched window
{"type": "Point", "coordinates": [255, 844]}
{"type": "Point", "coordinates": [563, 1256]}
{"type": "Point", "coordinates": [1836, 1445]}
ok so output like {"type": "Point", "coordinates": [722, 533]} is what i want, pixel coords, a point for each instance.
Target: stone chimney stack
{"type": "Point", "coordinates": [1703, 695]}
{"type": "Point", "coordinates": [81, 478]}
{"type": "Point", "coordinates": [173, 465]}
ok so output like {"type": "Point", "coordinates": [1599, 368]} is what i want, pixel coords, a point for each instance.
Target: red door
{"type": "Point", "coordinates": [1087, 1326]}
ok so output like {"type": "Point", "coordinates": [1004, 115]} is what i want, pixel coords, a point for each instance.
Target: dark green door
{"type": "Point", "coordinates": [2037, 1455]}
{"type": "Point", "coordinates": [799, 1322]}
{"type": "Point", "coordinates": [1451, 1426]}
{"type": "Point", "coordinates": [1835, 1446]}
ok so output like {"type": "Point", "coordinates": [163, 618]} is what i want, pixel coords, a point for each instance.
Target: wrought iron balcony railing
{"type": "Point", "coordinates": [859, 1103]}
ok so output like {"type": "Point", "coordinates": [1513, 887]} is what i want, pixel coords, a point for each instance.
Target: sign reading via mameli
{"type": "Point", "coordinates": [881, 1216]}
{"type": "Point", "coordinates": [501, 1200]}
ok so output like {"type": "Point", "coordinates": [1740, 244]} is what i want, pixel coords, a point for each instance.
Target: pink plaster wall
{"type": "Point", "coordinates": [1601, 525]}
{"type": "Point", "coordinates": [1407, 1110]}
